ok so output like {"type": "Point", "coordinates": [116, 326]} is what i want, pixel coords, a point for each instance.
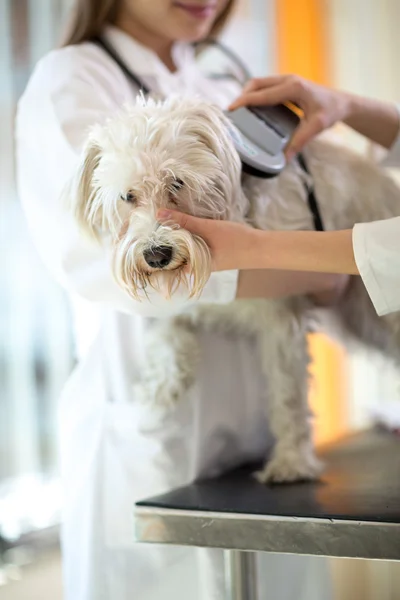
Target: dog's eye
{"type": "Point", "coordinates": [177, 184]}
{"type": "Point", "coordinates": [129, 197]}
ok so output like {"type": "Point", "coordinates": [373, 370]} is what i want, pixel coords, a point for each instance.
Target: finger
{"type": "Point", "coordinates": [258, 83]}
{"type": "Point", "coordinates": [275, 95]}
{"type": "Point", "coordinates": [192, 224]}
{"type": "Point", "coordinates": [306, 131]}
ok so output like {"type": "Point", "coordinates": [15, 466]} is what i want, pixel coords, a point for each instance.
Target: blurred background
{"type": "Point", "coordinates": [352, 44]}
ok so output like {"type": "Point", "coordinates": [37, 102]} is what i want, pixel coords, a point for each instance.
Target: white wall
{"type": "Point", "coordinates": [366, 42]}
{"type": "Point", "coordinates": [251, 35]}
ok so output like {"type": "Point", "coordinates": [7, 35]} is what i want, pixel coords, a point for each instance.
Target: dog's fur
{"type": "Point", "coordinates": [179, 154]}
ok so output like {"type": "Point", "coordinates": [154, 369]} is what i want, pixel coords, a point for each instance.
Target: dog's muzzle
{"type": "Point", "coordinates": [158, 257]}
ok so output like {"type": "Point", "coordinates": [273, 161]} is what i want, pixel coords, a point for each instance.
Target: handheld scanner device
{"type": "Point", "coordinates": [260, 135]}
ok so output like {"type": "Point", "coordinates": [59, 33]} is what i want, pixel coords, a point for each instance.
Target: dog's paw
{"type": "Point", "coordinates": [288, 468]}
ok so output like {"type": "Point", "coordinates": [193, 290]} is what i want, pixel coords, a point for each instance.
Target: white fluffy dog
{"type": "Point", "coordinates": [178, 153]}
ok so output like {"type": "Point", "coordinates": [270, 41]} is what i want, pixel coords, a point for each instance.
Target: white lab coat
{"type": "Point", "coordinates": [377, 253]}
{"type": "Point", "coordinates": [115, 451]}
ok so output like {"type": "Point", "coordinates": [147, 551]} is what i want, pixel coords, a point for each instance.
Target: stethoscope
{"type": "Point", "coordinates": [245, 76]}
{"type": "Point", "coordinates": [227, 52]}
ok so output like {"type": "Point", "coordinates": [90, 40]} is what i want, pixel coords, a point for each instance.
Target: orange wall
{"type": "Point", "coordinates": [302, 39]}
{"type": "Point", "coordinates": [303, 48]}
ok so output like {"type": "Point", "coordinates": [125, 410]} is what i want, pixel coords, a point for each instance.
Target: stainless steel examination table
{"type": "Point", "coordinates": [354, 511]}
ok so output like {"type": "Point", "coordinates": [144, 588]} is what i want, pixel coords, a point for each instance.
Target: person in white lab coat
{"type": "Point", "coordinates": [371, 250]}
{"type": "Point", "coordinates": [114, 450]}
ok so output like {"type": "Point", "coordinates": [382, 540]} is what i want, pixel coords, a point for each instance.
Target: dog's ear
{"type": "Point", "coordinates": [208, 123]}
{"type": "Point", "coordinates": [82, 191]}
{"type": "Point", "coordinates": [211, 128]}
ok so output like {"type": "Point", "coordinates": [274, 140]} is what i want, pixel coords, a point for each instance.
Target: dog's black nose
{"type": "Point", "coordinates": [158, 257]}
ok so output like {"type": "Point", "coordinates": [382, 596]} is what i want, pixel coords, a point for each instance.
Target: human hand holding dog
{"type": "Point", "coordinates": [322, 108]}
{"type": "Point", "coordinates": [232, 245]}
{"type": "Point", "coordinates": [238, 246]}
{"type": "Point", "coordinates": [295, 262]}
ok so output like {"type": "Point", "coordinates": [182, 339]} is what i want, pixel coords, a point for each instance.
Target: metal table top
{"type": "Point", "coordinates": [354, 511]}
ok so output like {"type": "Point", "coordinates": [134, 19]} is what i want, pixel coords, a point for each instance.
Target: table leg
{"type": "Point", "coordinates": [242, 575]}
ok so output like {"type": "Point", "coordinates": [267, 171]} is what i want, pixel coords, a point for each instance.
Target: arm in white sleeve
{"type": "Point", "coordinates": [376, 249]}
{"type": "Point", "coordinates": [70, 91]}
{"type": "Point", "coordinates": [377, 254]}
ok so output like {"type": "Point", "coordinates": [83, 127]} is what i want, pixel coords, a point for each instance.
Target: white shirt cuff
{"type": "Point", "coordinates": [376, 249]}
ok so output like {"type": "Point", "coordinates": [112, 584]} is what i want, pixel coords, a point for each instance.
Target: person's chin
{"type": "Point", "coordinates": [194, 33]}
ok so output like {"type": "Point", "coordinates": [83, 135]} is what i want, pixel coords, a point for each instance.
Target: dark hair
{"type": "Point", "coordinates": [89, 17]}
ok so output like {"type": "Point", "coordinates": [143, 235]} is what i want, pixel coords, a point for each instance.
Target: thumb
{"type": "Point", "coordinates": [192, 224]}
{"type": "Point", "coordinates": [305, 132]}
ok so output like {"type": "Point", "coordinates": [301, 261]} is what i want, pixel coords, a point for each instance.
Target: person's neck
{"type": "Point", "coordinates": [162, 47]}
